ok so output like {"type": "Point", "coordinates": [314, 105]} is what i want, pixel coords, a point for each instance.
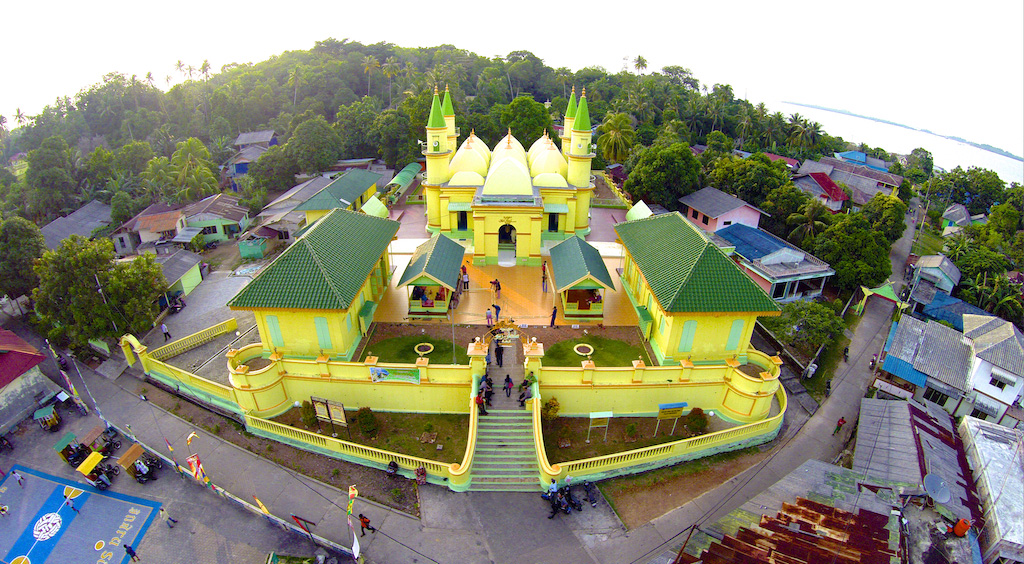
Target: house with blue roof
{"type": "Point", "coordinates": [785, 272]}
{"type": "Point", "coordinates": [944, 307]}
{"type": "Point", "coordinates": [859, 158]}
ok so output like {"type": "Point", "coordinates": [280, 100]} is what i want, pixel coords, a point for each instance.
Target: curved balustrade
{"type": "Point", "coordinates": [460, 473]}
{"type": "Point", "coordinates": [546, 470]}
{"type": "Point", "coordinates": [194, 340]}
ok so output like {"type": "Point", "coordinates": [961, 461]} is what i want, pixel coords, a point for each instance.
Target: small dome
{"type": "Point", "coordinates": [549, 160]}
{"type": "Point", "coordinates": [468, 159]}
{"type": "Point", "coordinates": [511, 153]}
{"type": "Point", "coordinates": [550, 180]}
{"type": "Point", "coordinates": [508, 177]}
{"type": "Point", "coordinates": [538, 145]}
{"type": "Point", "coordinates": [466, 178]}
{"type": "Point", "coordinates": [537, 150]}
{"type": "Point", "coordinates": [507, 141]}
{"type": "Point", "coordinates": [477, 145]}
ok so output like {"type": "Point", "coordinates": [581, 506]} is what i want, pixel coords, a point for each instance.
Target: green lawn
{"type": "Point", "coordinates": [607, 352]}
{"type": "Point", "coordinates": [400, 349]}
{"type": "Point", "coordinates": [929, 243]}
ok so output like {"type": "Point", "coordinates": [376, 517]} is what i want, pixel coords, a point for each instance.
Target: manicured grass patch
{"type": "Point", "coordinates": [400, 432]}
{"type": "Point", "coordinates": [402, 349]}
{"type": "Point", "coordinates": [929, 243]}
{"type": "Point", "coordinates": [607, 352]}
{"type": "Point", "coordinates": [575, 430]}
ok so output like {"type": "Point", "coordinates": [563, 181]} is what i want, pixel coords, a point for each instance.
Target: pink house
{"type": "Point", "coordinates": [711, 210]}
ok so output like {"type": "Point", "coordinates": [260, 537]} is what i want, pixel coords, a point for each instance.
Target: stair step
{"type": "Point", "coordinates": [506, 455]}
{"type": "Point", "coordinates": [506, 480]}
{"type": "Point", "coordinates": [517, 423]}
{"type": "Point", "coordinates": [502, 436]}
{"type": "Point", "coordinates": [525, 488]}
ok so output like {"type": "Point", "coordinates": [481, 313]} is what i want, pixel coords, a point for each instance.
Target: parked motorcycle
{"type": "Point", "coordinates": [5, 444]}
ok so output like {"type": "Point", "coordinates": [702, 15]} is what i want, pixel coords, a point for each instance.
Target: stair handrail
{"type": "Point", "coordinates": [546, 471]}
{"type": "Point", "coordinates": [460, 471]}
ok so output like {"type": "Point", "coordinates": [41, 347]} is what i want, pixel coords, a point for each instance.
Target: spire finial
{"type": "Point", "coordinates": [584, 95]}
{"type": "Point", "coordinates": [446, 87]}
{"type": "Point", "coordinates": [435, 90]}
{"type": "Point", "coordinates": [573, 89]}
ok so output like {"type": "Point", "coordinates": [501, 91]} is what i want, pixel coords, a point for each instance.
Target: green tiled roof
{"type": "Point", "coordinates": [582, 122]}
{"type": "Point", "coordinates": [685, 271]}
{"type": "Point", "coordinates": [323, 269]}
{"type": "Point", "coordinates": [342, 192]}
{"type": "Point", "coordinates": [446, 105]}
{"type": "Point", "coordinates": [574, 260]}
{"type": "Point", "coordinates": [440, 259]}
{"type": "Point", "coordinates": [436, 118]}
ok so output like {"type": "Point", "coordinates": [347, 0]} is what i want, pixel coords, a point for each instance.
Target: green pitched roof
{"type": "Point", "coordinates": [323, 269]}
{"type": "Point", "coordinates": [582, 122]}
{"type": "Point", "coordinates": [436, 118]}
{"type": "Point", "coordinates": [570, 110]}
{"type": "Point", "coordinates": [575, 260]}
{"type": "Point", "coordinates": [342, 192]}
{"type": "Point", "coordinates": [439, 259]}
{"type": "Point", "coordinates": [686, 272]}
{"type": "Point", "coordinates": [446, 105]}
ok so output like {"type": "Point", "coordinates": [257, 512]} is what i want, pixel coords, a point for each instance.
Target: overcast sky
{"type": "Point", "coordinates": [955, 68]}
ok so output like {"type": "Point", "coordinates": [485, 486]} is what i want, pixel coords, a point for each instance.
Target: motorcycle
{"type": "Point", "coordinates": [570, 499]}
{"type": "Point", "coordinates": [591, 490]}
{"type": "Point", "coordinates": [5, 444]}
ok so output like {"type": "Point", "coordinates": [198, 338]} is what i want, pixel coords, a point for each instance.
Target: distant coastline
{"type": "Point", "coordinates": [982, 146]}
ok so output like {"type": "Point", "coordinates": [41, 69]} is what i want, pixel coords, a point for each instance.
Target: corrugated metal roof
{"type": "Point", "coordinates": [80, 222]}
{"type": "Point", "coordinates": [996, 340]}
{"type": "Point", "coordinates": [941, 263]}
{"type": "Point", "coordinates": [905, 370]}
{"type": "Point", "coordinates": [933, 349]}
{"type": "Point", "coordinates": [249, 137]}
{"type": "Point", "coordinates": [944, 307]}
{"type": "Point", "coordinates": [713, 202]}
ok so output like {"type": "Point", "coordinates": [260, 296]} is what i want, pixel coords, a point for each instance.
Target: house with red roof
{"type": "Point", "coordinates": [22, 384]}
{"type": "Point", "coordinates": [819, 186]}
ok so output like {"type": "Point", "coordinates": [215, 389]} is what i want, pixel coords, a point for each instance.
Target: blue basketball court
{"type": "Point", "coordinates": [39, 524]}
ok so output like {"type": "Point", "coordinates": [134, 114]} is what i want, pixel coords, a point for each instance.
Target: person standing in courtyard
{"type": "Point", "coordinates": [70, 503]}
{"type": "Point", "coordinates": [464, 278]}
{"type": "Point", "coordinates": [131, 552]}
{"type": "Point", "coordinates": [167, 334]}
{"type": "Point", "coordinates": [497, 288]}
{"type": "Point", "coordinates": [18, 477]}
{"type": "Point", "coordinates": [508, 385]}
{"type": "Point", "coordinates": [554, 314]}
{"type": "Point", "coordinates": [544, 280]}
{"type": "Point", "coordinates": [839, 425]}
{"type": "Point", "coordinates": [497, 312]}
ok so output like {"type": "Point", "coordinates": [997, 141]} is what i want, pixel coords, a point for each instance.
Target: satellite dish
{"type": "Point", "coordinates": [936, 488]}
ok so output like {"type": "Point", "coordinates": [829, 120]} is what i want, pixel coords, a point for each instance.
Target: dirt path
{"type": "Point", "coordinates": [639, 499]}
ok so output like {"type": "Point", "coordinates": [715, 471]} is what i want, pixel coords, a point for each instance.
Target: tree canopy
{"type": "Point", "coordinates": [662, 175]}
{"type": "Point", "coordinates": [858, 254]}
{"type": "Point", "coordinates": [21, 243]}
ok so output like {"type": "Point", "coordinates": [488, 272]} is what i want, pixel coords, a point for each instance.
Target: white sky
{"type": "Point", "coordinates": [955, 68]}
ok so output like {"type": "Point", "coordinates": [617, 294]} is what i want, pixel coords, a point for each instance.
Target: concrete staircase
{"type": "Point", "coordinates": [505, 459]}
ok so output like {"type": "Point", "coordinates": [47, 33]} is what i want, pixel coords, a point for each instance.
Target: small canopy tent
{"type": "Point", "coordinates": [580, 277]}
{"type": "Point", "coordinates": [886, 291]}
{"type": "Point", "coordinates": [433, 277]}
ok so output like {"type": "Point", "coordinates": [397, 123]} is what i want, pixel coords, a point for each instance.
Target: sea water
{"type": "Point", "coordinates": [946, 153]}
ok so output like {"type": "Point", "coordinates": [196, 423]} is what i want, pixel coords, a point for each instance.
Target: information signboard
{"type": "Point", "coordinates": [410, 375]}
{"type": "Point", "coordinates": [599, 419]}
{"type": "Point", "coordinates": [669, 411]}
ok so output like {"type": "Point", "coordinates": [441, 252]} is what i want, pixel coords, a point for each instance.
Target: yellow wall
{"type": "Point", "coordinates": [527, 223]}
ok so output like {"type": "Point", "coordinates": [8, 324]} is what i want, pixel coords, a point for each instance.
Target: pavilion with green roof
{"type": "Point", "coordinates": [318, 297]}
{"type": "Point", "coordinates": [580, 277]}
{"type": "Point", "coordinates": [694, 304]}
{"type": "Point", "coordinates": [433, 277]}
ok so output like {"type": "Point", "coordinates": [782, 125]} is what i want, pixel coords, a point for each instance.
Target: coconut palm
{"type": "Point", "coordinates": [959, 245]}
{"type": "Point", "coordinates": [640, 63]}
{"type": "Point", "coordinates": [20, 116]}
{"type": "Point", "coordinates": [617, 137]}
{"type": "Point", "coordinates": [391, 69]}
{"type": "Point", "coordinates": [370, 66]}
{"type": "Point", "coordinates": [745, 125]}
{"type": "Point", "coordinates": [294, 79]}
{"type": "Point", "coordinates": [808, 222]}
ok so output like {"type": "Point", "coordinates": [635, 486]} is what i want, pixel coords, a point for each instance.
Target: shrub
{"type": "Point", "coordinates": [397, 495]}
{"type": "Point", "coordinates": [697, 421]}
{"type": "Point", "coordinates": [550, 410]}
{"type": "Point", "coordinates": [631, 430]}
{"type": "Point", "coordinates": [308, 414]}
{"type": "Point", "coordinates": [367, 421]}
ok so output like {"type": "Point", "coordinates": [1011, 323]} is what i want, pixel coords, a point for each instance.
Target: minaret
{"type": "Point", "coordinates": [579, 154]}
{"type": "Point", "coordinates": [449, 119]}
{"type": "Point", "coordinates": [567, 122]}
{"type": "Point", "coordinates": [438, 154]}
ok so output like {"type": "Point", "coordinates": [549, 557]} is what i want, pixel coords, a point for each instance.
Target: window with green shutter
{"type": "Point", "coordinates": [661, 326]}
{"type": "Point", "coordinates": [323, 332]}
{"type": "Point", "coordinates": [686, 339]}
{"type": "Point", "coordinates": [275, 331]}
{"type": "Point", "coordinates": [734, 335]}
{"type": "Point", "coordinates": [348, 321]}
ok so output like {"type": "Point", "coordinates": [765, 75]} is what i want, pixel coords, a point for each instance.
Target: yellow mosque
{"type": "Point", "coordinates": [507, 201]}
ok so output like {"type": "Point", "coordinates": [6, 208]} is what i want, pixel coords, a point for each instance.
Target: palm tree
{"type": "Point", "coordinates": [205, 70]}
{"type": "Point", "coordinates": [391, 69]}
{"type": "Point", "coordinates": [294, 78]}
{"type": "Point", "coordinates": [180, 67]}
{"type": "Point", "coordinates": [370, 65]}
{"type": "Point", "coordinates": [959, 245]}
{"type": "Point", "coordinates": [149, 79]}
{"type": "Point", "coordinates": [616, 138]}
{"type": "Point", "coordinates": [563, 75]}
{"type": "Point", "coordinates": [809, 222]}
{"type": "Point", "coordinates": [20, 116]}
{"type": "Point", "coordinates": [745, 124]}
{"type": "Point", "coordinates": [640, 63]}
{"type": "Point", "coordinates": [716, 109]}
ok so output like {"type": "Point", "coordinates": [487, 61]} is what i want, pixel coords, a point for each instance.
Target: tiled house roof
{"type": "Point", "coordinates": [221, 205]}
{"type": "Point", "coordinates": [573, 260]}
{"type": "Point", "coordinates": [686, 272]}
{"type": "Point", "coordinates": [439, 258]}
{"type": "Point", "coordinates": [323, 269]}
{"type": "Point", "coordinates": [712, 202]}
{"type": "Point", "coordinates": [250, 137]}
{"type": "Point", "coordinates": [997, 341]}
{"type": "Point", "coordinates": [342, 192]}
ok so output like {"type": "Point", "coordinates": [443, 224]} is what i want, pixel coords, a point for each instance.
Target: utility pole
{"type": "Point", "coordinates": [100, 290]}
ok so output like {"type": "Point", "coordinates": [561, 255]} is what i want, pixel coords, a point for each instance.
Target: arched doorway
{"type": "Point", "coordinates": [507, 245]}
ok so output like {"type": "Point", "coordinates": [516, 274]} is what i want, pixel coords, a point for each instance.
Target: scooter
{"type": "Point", "coordinates": [5, 444]}
{"type": "Point", "coordinates": [874, 360]}
{"type": "Point", "coordinates": [570, 499]}
{"type": "Point", "coordinates": [62, 362]}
